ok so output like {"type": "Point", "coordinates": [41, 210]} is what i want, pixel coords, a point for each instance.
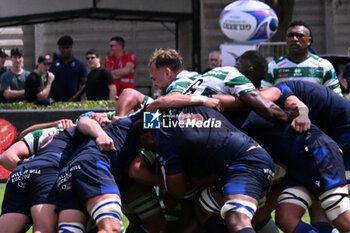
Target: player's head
{"type": "Point", "coordinates": [163, 66]}
{"type": "Point", "coordinates": [299, 37]}
{"type": "Point", "coordinates": [145, 137]}
{"type": "Point", "coordinates": [253, 65]}
{"type": "Point", "coordinates": [215, 59]}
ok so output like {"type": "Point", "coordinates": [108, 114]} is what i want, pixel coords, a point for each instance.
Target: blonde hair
{"type": "Point", "coordinates": [167, 58]}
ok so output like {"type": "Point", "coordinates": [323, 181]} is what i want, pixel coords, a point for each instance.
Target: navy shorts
{"type": "Point", "coordinates": [250, 174]}
{"type": "Point", "coordinates": [86, 176]}
{"type": "Point", "coordinates": [319, 167]}
{"type": "Point", "coordinates": [31, 183]}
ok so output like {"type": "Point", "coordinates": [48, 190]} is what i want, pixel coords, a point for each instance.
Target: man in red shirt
{"type": "Point", "coordinates": [121, 63]}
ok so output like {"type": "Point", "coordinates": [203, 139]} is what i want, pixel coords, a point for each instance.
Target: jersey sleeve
{"type": "Point", "coordinates": [285, 91]}
{"type": "Point", "coordinates": [177, 86]}
{"type": "Point", "coordinates": [269, 79]}
{"type": "Point", "coordinates": [38, 138]}
{"type": "Point", "coordinates": [330, 78]}
{"type": "Point", "coordinates": [239, 85]}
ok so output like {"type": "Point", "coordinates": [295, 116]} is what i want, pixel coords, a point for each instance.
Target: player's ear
{"type": "Point", "coordinates": [168, 72]}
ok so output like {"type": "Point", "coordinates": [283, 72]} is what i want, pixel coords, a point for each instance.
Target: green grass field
{"type": "Point", "coordinates": [125, 220]}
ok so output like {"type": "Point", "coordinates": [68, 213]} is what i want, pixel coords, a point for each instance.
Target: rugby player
{"type": "Point", "coordinates": [244, 169]}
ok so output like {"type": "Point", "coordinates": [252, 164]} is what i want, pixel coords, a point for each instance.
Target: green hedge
{"type": "Point", "coordinates": [69, 105]}
{"type": "Point", "coordinates": [62, 105]}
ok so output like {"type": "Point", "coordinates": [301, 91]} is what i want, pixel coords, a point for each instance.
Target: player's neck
{"type": "Point", "coordinates": [298, 57]}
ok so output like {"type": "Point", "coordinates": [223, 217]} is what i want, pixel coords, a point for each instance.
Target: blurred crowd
{"type": "Point", "coordinates": [62, 77]}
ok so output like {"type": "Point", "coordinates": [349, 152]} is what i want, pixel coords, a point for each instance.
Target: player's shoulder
{"type": "Point", "coordinates": [279, 60]}
{"type": "Point", "coordinates": [322, 61]}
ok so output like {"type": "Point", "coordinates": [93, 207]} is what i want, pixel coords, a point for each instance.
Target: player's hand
{"type": "Point", "coordinates": [301, 123]}
{"type": "Point", "coordinates": [115, 118]}
{"type": "Point", "coordinates": [293, 111]}
{"type": "Point", "coordinates": [101, 118]}
{"type": "Point", "coordinates": [213, 103]}
{"type": "Point", "coordinates": [105, 143]}
{"type": "Point", "coordinates": [64, 123]}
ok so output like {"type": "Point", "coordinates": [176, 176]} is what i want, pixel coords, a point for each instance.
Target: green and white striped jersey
{"type": "Point", "coordinates": [221, 80]}
{"type": "Point", "coordinates": [38, 138]}
{"type": "Point", "coordinates": [313, 68]}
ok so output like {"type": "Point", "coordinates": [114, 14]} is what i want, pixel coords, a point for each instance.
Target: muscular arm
{"type": "Point", "coordinates": [179, 100]}
{"type": "Point", "coordinates": [271, 93]}
{"type": "Point", "coordinates": [63, 123]}
{"type": "Point", "coordinates": [265, 108]}
{"type": "Point", "coordinates": [139, 171]}
{"type": "Point", "coordinates": [118, 73]}
{"type": "Point", "coordinates": [129, 101]}
{"type": "Point", "coordinates": [15, 153]}
{"type": "Point", "coordinates": [302, 122]}
{"type": "Point", "coordinates": [92, 128]}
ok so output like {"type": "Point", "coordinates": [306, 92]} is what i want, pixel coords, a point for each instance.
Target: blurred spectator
{"type": "Point", "coordinates": [70, 73]}
{"type": "Point", "coordinates": [121, 64]}
{"type": "Point", "coordinates": [13, 81]}
{"type": "Point", "coordinates": [3, 56]}
{"type": "Point", "coordinates": [99, 84]}
{"type": "Point", "coordinates": [214, 60]}
{"type": "Point", "coordinates": [38, 83]}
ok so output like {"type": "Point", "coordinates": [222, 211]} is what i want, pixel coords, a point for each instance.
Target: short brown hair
{"type": "Point", "coordinates": [167, 58]}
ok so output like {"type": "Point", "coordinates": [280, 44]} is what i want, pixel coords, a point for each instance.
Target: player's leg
{"type": "Point", "coordinates": [336, 204]}
{"type": "Point", "coordinates": [207, 211]}
{"type": "Point", "coordinates": [105, 209]}
{"type": "Point", "coordinates": [14, 223]}
{"type": "Point", "coordinates": [71, 220]}
{"type": "Point", "coordinates": [238, 212]}
{"type": "Point", "coordinates": [44, 218]}
{"type": "Point", "coordinates": [129, 101]}
{"type": "Point", "coordinates": [318, 218]}
{"type": "Point", "coordinates": [142, 200]}
{"type": "Point", "coordinates": [292, 204]}
{"type": "Point", "coordinates": [242, 184]}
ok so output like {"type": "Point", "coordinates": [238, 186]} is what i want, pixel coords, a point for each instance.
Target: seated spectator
{"type": "Point", "coordinates": [13, 81]}
{"type": "Point", "coordinates": [70, 73]}
{"type": "Point", "coordinates": [100, 83]}
{"type": "Point", "coordinates": [38, 83]}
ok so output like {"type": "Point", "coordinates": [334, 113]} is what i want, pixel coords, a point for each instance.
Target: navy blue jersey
{"type": "Point", "coordinates": [328, 110]}
{"type": "Point", "coordinates": [314, 160]}
{"type": "Point", "coordinates": [120, 132]}
{"type": "Point", "coordinates": [60, 148]}
{"type": "Point", "coordinates": [199, 149]}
